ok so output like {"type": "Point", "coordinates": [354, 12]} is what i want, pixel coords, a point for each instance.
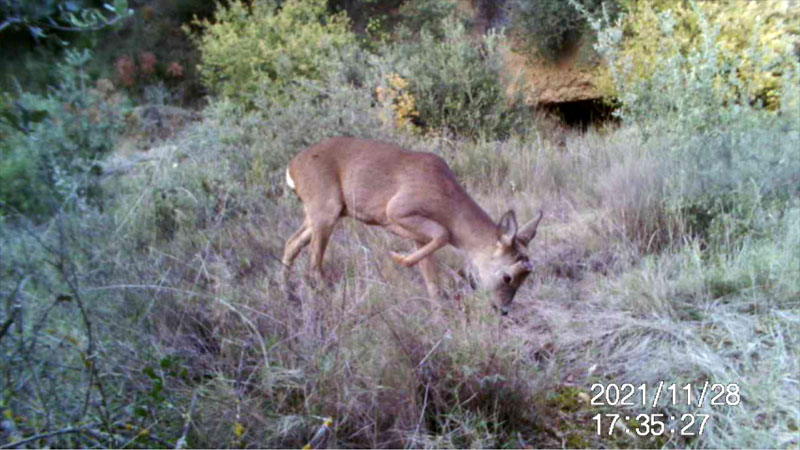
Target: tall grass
{"type": "Point", "coordinates": [163, 316]}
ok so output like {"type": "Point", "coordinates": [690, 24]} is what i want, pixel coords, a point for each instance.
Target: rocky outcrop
{"type": "Point", "coordinates": [549, 83]}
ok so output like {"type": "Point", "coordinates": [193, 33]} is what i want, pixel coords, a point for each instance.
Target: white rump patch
{"type": "Point", "coordinates": [289, 179]}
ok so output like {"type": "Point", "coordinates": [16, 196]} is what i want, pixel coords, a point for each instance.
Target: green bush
{"type": "Point", "coordinates": [455, 82]}
{"type": "Point", "coordinates": [247, 50]}
{"type": "Point", "coordinates": [427, 15]}
{"type": "Point", "coordinates": [654, 31]}
{"type": "Point", "coordinates": [695, 113]}
{"type": "Point", "coordinates": [551, 26]}
{"type": "Point", "coordinates": [47, 159]}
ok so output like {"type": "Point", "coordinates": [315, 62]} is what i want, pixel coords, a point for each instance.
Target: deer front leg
{"type": "Point", "coordinates": [322, 217]}
{"type": "Point", "coordinates": [424, 230]}
{"type": "Point", "coordinates": [430, 273]}
{"type": "Point", "coordinates": [320, 235]}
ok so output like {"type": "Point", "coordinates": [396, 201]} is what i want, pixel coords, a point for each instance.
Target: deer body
{"type": "Point", "coordinates": [412, 194]}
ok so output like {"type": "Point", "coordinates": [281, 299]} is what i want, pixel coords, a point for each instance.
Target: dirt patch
{"type": "Point", "coordinates": [547, 83]}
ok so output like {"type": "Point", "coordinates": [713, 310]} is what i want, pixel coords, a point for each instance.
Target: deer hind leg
{"type": "Point", "coordinates": [295, 244]}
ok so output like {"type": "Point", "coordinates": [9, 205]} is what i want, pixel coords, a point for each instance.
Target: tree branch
{"type": "Point", "coordinates": [106, 23]}
{"type": "Point", "coordinates": [48, 435]}
{"type": "Point", "coordinates": [16, 306]}
{"type": "Point", "coordinates": [6, 23]}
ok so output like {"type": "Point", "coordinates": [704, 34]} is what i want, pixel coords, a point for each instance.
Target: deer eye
{"type": "Point", "coordinates": [506, 278]}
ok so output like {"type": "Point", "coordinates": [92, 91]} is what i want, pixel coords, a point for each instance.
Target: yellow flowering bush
{"type": "Point", "coordinates": [709, 86]}
{"type": "Point", "coordinates": [770, 26]}
{"type": "Point", "coordinates": [260, 49]}
{"type": "Point", "coordinates": [399, 105]}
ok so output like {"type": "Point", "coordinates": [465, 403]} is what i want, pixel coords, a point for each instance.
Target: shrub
{"type": "Point", "coordinates": [755, 42]}
{"type": "Point", "coordinates": [401, 110]}
{"type": "Point", "coordinates": [427, 15]}
{"type": "Point", "coordinates": [125, 71]}
{"type": "Point", "coordinates": [551, 26]}
{"type": "Point", "coordinates": [247, 50]}
{"type": "Point", "coordinates": [147, 63]}
{"type": "Point", "coordinates": [47, 160]}
{"type": "Point", "coordinates": [696, 114]}
{"type": "Point", "coordinates": [174, 70]}
{"type": "Point", "coordinates": [456, 82]}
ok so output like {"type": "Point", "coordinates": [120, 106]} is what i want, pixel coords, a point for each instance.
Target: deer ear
{"type": "Point", "coordinates": [528, 231]}
{"type": "Point", "coordinates": [507, 228]}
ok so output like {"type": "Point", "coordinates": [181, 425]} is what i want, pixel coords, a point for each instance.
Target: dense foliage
{"type": "Point", "coordinates": [552, 27]}
{"type": "Point", "coordinates": [248, 50]}
{"type": "Point", "coordinates": [76, 125]}
{"type": "Point", "coordinates": [703, 116]}
{"type": "Point", "coordinates": [456, 83]}
{"type": "Point", "coordinates": [753, 43]}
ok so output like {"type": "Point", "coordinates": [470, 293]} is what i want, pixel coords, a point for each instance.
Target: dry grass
{"type": "Point", "coordinates": [668, 253]}
{"type": "Point", "coordinates": [192, 290]}
{"type": "Point", "coordinates": [396, 369]}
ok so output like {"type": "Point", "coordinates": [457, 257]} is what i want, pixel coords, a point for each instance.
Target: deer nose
{"type": "Point", "coordinates": [504, 311]}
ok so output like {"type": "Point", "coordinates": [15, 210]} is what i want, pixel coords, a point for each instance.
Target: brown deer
{"type": "Point", "coordinates": [414, 195]}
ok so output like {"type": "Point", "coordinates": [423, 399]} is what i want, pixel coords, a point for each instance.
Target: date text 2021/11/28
{"type": "Point", "coordinates": [716, 394]}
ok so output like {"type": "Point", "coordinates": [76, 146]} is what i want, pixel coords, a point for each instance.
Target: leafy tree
{"type": "Point", "coordinates": [40, 17]}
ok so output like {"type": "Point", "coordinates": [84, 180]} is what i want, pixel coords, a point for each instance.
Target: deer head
{"type": "Point", "coordinates": [504, 266]}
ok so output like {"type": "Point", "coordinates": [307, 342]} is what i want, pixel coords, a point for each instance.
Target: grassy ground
{"type": "Point", "coordinates": [147, 309]}
{"type": "Point", "coordinates": [186, 302]}
{"type": "Point", "coordinates": [155, 317]}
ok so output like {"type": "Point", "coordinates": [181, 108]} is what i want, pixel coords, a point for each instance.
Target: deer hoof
{"type": "Point", "coordinates": [399, 259]}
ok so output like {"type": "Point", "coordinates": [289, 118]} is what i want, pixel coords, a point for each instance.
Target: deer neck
{"type": "Point", "coordinates": [472, 230]}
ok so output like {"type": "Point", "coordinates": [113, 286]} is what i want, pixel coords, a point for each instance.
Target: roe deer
{"type": "Point", "coordinates": [415, 196]}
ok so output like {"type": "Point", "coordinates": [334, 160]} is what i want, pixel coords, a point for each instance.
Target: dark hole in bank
{"type": "Point", "coordinates": [582, 113]}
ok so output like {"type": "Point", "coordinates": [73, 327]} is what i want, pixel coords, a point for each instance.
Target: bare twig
{"type": "Point", "coordinates": [424, 407]}
{"type": "Point", "coordinates": [182, 441]}
{"type": "Point", "coordinates": [14, 305]}
{"type": "Point", "coordinates": [322, 438]}
{"type": "Point", "coordinates": [435, 346]}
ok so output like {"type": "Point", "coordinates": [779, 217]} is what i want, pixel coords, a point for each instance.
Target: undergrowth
{"type": "Point", "coordinates": [160, 320]}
